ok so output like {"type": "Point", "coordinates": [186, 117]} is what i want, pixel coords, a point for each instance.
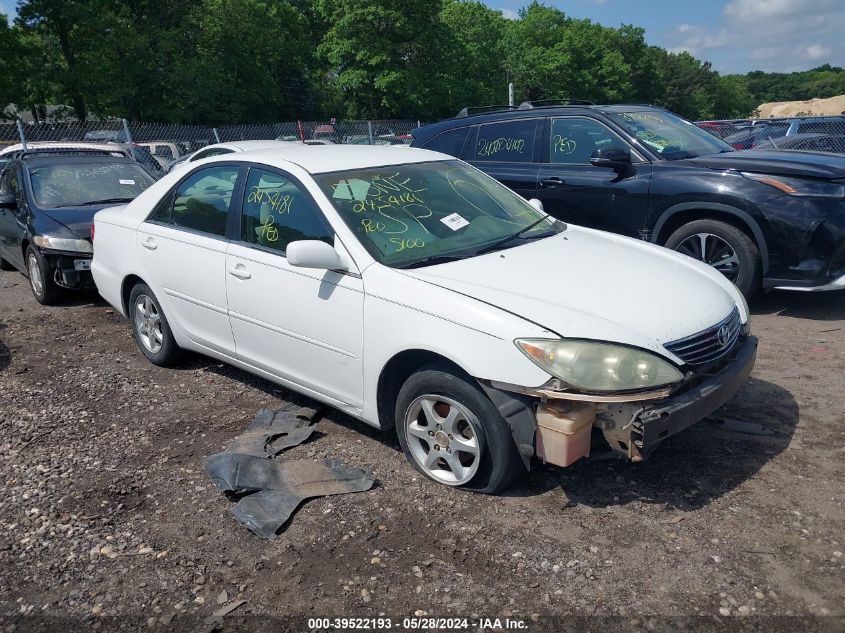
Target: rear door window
{"type": "Point", "coordinates": [201, 202]}
{"type": "Point", "coordinates": [449, 142]}
{"type": "Point", "coordinates": [506, 142]}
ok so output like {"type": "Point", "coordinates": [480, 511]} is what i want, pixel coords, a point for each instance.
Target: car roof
{"type": "Point", "coordinates": [506, 113]}
{"type": "Point", "coordinates": [59, 145]}
{"type": "Point", "coordinates": [249, 145]}
{"type": "Point", "coordinates": [320, 159]}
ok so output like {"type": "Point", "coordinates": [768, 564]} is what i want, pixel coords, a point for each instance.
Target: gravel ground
{"type": "Point", "coordinates": [109, 520]}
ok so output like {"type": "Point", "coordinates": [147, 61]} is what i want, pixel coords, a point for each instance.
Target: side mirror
{"type": "Point", "coordinates": [537, 204]}
{"type": "Point", "coordinates": [8, 201]}
{"type": "Point", "coordinates": [614, 157]}
{"type": "Point", "coordinates": [314, 254]}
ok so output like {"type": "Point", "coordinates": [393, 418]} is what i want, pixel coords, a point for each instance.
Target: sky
{"type": "Point", "coordinates": [736, 36]}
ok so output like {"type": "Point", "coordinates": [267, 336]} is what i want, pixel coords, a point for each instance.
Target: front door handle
{"type": "Point", "coordinates": [554, 181]}
{"type": "Point", "coordinates": [240, 272]}
{"type": "Point", "coordinates": [149, 244]}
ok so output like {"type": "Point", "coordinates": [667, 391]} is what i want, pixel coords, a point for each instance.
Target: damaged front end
{"type": "Point", "coordinates": [556, 425]}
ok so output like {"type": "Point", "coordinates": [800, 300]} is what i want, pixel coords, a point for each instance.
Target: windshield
{"type": "Point", "coordinates": [668, 135]}
{"type": "Point", "coordinates": [77, 184]}
{"type": "Point", "coordinates": [407, 215]}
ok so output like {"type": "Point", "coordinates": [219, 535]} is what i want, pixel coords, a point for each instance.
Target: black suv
{"type": "Point", "coordinates": [47, 205]}
{"type": "Point", "coordinates": [774, 219]}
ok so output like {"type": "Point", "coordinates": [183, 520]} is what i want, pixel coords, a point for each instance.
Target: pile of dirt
{"type": "Point", "coordinates": [814, 107]}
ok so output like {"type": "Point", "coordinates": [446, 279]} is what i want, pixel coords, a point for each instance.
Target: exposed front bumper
{"type": "Point", "coordinates": [68, 269]}
{"type": "Point", "coordinates": [666, 418]}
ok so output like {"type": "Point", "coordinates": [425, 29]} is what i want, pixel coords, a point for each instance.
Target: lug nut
{"type": "Point", "coordinates": [439, 427]}
{"type": "Point", "coordinates": [437, 447]}
{"type": "Point", "coordinates": [448, 450]}
{"type": "Point", "coordinates": [431, 433]}
{"type": "Point", "coordinates": [450, 437]}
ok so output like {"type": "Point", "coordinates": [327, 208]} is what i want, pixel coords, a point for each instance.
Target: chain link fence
{"type": "Point", "coordinates": [156, 145]}
{"type": "Point", "coordinates": [811, 133]}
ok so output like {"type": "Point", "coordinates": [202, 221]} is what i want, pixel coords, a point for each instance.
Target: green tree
{"type": "Point", "coordinates": [384, 58]}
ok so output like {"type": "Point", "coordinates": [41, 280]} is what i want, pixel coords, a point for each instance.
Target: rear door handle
{"type": "Point", "coordinates": [240, 272]}
{"type": "Point", "coordinates": [554, 181]}
{"type": "Point", "coordinates": [149, 244]}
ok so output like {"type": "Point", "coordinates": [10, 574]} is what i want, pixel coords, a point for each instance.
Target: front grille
{"type": "Point", "coordinates": [708, 345]}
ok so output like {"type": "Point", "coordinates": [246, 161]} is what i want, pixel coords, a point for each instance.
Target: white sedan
{"type": "Point", "coordinates": [218, 149]}
{"type": "Point", "coordinates": [417, 294]}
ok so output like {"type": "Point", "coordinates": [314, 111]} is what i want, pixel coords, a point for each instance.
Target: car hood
{"type": "Point", "coordinates": [780, 162]}
{"type": "Point", "coordinates": [588, 284]}
{"type": "Point", "coordinates": [77, 219]}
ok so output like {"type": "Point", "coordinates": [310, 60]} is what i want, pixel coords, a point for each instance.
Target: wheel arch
{"type": "Point", "coordinates": [129, 282]}
{"type": "Point", "coordinates": [676, 216]}
{"type": "Point", "coordinates": [397, 370]}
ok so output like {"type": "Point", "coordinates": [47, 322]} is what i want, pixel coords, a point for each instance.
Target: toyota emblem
{"type": "Point", "coordinates": [723, 335]}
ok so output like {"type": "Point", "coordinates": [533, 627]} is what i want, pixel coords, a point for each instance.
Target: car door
{"type": "Point", "coordinates": [182, 246]}
{"type": "Point", "coordinates": [574, 190]}
{"type": "Point", "coordinates": [303, 325]}
{"type": "Point", "coordinates": [13, 221]}
{"type": "Point", "coordinates": [507, 151]}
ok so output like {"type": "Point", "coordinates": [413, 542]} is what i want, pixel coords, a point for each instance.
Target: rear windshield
{"type": "Point", "coordinates": [76, 184]}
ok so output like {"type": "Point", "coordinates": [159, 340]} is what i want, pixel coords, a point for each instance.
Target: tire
{"type": "Point", "coordinates": [743, 266]}
{"type": "Point", "coordinates": [150, 327]}
{"type": "Point", "coordinates": [4, 265]}
{"type": "Point", "coordinates": [432, 394]}
{"type": "Point", "coordinates": [41, 283]}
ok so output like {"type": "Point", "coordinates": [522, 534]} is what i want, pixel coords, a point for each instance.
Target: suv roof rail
{"type": "Point", "coordinates": [545, 103]}
{"type": "Point", "coordinates": [465, 112]}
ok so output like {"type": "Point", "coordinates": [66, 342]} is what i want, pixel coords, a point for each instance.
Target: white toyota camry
{"type": "Point", "coordinates": [417, 294]}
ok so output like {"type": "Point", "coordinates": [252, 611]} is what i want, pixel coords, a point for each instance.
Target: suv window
{"type": "Point", "coordinates": [164, 151]}
{"type": "Point", "coordinates": [215, 151]}
{"type": "Point", "coordinates": [201, 202]}
{"type": "Point", "coordinates": [449, 142]}
{"type": "Point", "coordinates": [276, 212]}
{"type": "Point", "coordinates": [508, 141]}
{"type": "Point", "coordinates": [573, 140]}
{"type": "Point", "coordinates": [821, 127]}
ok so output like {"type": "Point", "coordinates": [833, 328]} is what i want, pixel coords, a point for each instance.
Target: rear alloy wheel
{"type": "Point", "coordinates": [451, 432]}
{"type": "Point", "coordinates": [44, 289]}
{"type": "Point", "coordinates": [722, 246]}
{"type": "Point", "coordinates": [150, 327]}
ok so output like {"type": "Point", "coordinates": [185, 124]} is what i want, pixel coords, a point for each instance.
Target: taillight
{"type": "Point", "coordinates": [740, 145]}
{"type": "Point", "coordinates": [92, 232]}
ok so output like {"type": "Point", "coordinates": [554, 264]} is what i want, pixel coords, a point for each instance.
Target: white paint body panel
{"type": "Point", "coordinates": [329, 335]}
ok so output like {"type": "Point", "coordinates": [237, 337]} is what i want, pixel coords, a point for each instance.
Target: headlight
{"type": "Point", "coordinates": [63, 244]}
{"type": "Point", "coordinates": [799, 186]}
{"type": "Point", "coordinates": [591, 366]}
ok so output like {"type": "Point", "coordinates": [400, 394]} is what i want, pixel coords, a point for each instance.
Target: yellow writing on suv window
{"type": "Point", "coordinates": [503, 144]}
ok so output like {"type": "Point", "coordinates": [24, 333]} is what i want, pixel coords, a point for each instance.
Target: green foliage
{"type": "Point", "coordinates": [215, 61]}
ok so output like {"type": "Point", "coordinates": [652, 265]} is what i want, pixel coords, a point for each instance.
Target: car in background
{"type": "Point", "coordinates": [762, 218]}
{"type": "Point", "coordinates": [47, 206]}
{"type": "Point", "coordinates": [106, 136]}
{"type": "Point", "coordinates": [807, 142]}
{"type": "Point", "coordinates": [135, 151]}
{"type": "Point", "coordinates": [417, 294]}
{"type": "Point", "coordinates": [762, 130]}
{"type": "Point", "coordinates": [165, 152]}
{"type": "Point", "coordinates": [723, 128]}
{"type": "Point", "coordinates": [218, 149]}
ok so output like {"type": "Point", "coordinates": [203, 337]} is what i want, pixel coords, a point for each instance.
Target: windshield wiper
{"type": "Point", "coordinates": [431, 261]}
{"type": "Point", "coordinates": [495, 245]}
{"type": "Point", "coordinates": [103, 201]}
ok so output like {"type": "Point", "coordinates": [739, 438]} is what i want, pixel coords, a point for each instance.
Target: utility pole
{"type": "Point", "coordinates": [510, 94]}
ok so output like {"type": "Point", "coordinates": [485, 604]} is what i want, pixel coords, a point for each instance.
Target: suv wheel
{"type": "Point", "coordinates": [722, 246]}
{"type": "Point", "coordinates": [44, 289]}
{"type": "Point", "coordinates": [452, 433]}
{"type": "Point", "coordinates": [150, 327]}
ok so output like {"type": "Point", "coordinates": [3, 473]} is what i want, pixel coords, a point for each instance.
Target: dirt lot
{"type": "Point", "coordinates": [109, 519]}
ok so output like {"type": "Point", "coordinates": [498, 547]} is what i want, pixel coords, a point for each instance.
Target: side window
{"type": "Point", "coordinates": [164, 151]}
{"type": "Point", "coordinates": [509, 141]}
{"type": "Point", "coordinates": [821, 127]}
{"type": "Point", "coordinates": [276, 212]}
{"type": "Point", "coordinates": [201, 202]}
{"type": "Point", "coordinates": [573, 140]}
{"type": "Point", "coordinates": [449, 142]}
{"type": "Point", "coordinates": [216, 151]}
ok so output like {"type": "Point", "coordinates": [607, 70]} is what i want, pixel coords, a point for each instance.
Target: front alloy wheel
{"type": "Point", "coordinates": [442, 437]}
{"type": "Point", "coordinates": [712, 250]}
